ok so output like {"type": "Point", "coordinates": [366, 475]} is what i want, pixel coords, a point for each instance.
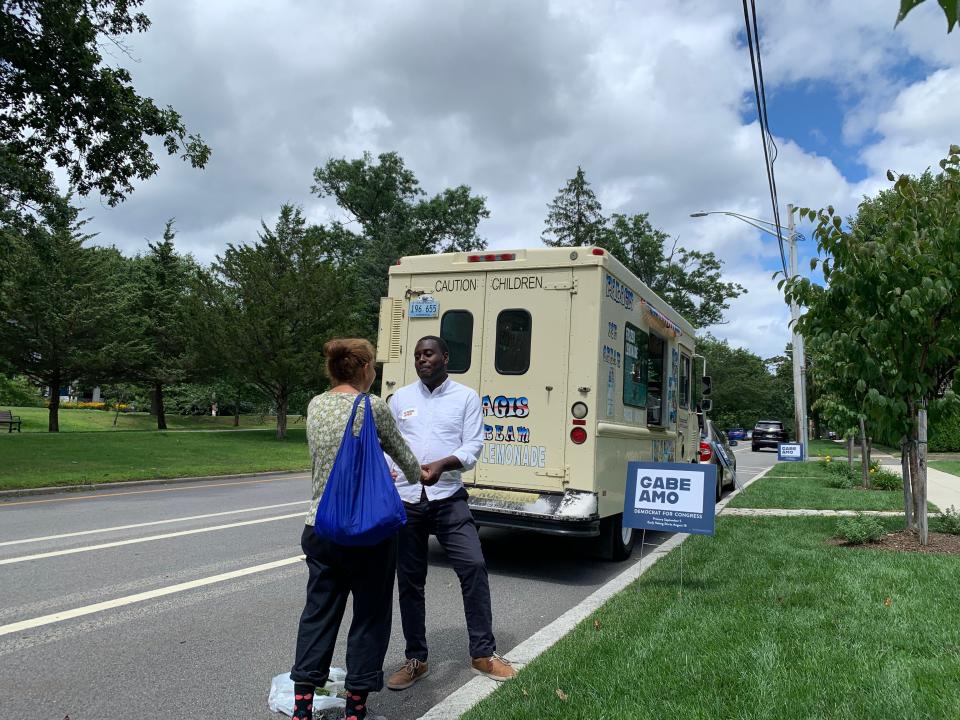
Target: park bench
{"type": "Point", "coordinates": [8, 419]}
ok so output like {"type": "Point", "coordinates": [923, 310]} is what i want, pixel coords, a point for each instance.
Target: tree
{"type": "Point", "coordinates": [691, 281]}
{"type": "Point", "coordinates": [395, 218]}
{"type": "Point", "coordinates": [889, 313]}
{"type": "Point", "coordinates": [269, 307]}
{"type": "Point", "coordinates": [951, 9]}
{"type": "Point", "coordinates": [164, 284]}
{"type": "Point", "coordinates": [65, 311]}
{"type": "Point", "coordinates": [575, 218]}
{"type": "Point", "coordinates": [61, 105]}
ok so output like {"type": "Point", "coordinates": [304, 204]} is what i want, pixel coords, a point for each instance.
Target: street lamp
{"type": "Point", "coordinates": [799, 367]}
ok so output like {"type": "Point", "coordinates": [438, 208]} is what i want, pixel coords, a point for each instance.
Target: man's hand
{"type": "Point", "coordinates": [431, 472]}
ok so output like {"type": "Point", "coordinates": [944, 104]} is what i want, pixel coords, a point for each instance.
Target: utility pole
{"type": "Point", "coordinates": [799, 366]}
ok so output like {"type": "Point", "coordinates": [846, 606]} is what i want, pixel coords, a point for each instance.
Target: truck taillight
{"type": "Point", "coordinates": [492, 257]}
{"type": "Point", "coordinates": [706, 453]}
{"type": "Point", "coordinates": [578, 435]}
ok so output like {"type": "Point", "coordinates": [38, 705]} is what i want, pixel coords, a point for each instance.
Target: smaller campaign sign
{"type": "Point", "coordinates": [790, 452]}
{"type": "Point", "coordinates": [671, 497]}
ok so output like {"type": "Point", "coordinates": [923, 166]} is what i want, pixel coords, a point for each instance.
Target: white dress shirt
{"type": "Point", "coordinates": [447, 421]}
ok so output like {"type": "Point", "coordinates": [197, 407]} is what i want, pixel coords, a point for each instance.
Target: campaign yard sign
{"type": "Point", "coordinates": [790, 452]}
{"type": "Point", "coordinates": [671, 497]}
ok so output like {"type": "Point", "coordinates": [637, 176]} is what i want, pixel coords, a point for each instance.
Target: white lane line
{"type": "Point", "coordinates": [140, 597]}
{"type": "Point", "coordinates": [148, 524]}
{"type": "Point", "coordinates": [149, 538]}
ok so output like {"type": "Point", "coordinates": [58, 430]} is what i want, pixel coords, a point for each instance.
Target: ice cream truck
{"type": "Point", "coordinates": [580, 369]}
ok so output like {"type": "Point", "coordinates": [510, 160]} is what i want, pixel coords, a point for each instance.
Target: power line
{"type": "Point", "coordinates": [770, 151]}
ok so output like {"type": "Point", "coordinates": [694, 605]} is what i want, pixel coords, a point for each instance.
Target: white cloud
{"type": "Point", "coordinates": [510, 97]}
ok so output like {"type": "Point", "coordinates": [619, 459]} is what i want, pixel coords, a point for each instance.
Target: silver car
{"type": "Point", "coordinates": [715, 448]}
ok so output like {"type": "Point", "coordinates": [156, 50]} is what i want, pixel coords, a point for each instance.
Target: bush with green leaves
{"type": "Point", "coordinates": [948, 521]}
{"type": "Point", "coordinates": [886, 480]}
{"type": "Point", "coordinates": [860, 529]}
{"type": "Point", "coordinates": [839, 474]}
{"type": "Point", "coordinates": [17, 391]}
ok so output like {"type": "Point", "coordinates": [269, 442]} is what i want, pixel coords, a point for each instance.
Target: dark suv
{"type": "Point", "coordinates": [768, 433]}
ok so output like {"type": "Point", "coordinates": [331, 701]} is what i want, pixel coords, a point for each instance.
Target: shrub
{"type": "Point", "coordinates": [860, 529]}
{"type": "Point", "coordinates": [948, 521]}
{"type": "Point", "coordinates": [17, 391]}
{"type": "Point", "coordinates": [886, 480]}
{"type": "Point", "coordinates": [841, 481]}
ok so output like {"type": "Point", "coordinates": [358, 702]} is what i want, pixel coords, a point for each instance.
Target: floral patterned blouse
{"type": "Point", "coordinates": [327, 417]}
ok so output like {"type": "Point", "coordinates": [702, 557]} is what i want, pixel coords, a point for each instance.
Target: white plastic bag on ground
{"type": "Point", "coordinates": [280, 698]}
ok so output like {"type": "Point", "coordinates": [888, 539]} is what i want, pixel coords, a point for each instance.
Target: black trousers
{"type": "Point", "coordinates": [450, 520]}
{"type": "Point", "coordinates": [337, 571]}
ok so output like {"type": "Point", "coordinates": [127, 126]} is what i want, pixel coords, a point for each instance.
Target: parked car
{"type": "Point", "coordinates": [768, 433]}
{"type": "Point", "coordinates": [737, 433]}
{"type": "Point", "coordinates": [831, 435]}
{"type": "Point", "coordinates": [714, 442]}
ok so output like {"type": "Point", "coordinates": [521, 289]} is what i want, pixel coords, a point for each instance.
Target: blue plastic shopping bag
{"type": "Point", "coordinates": [360, 504]}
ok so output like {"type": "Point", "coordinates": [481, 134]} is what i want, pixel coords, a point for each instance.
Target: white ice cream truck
{"type": "Point", "coordinates": [580, 367]}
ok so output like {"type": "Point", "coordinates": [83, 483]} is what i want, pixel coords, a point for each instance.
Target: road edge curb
{"type": "Point", "coordinates": [87, 487]}
{"type": "Point", "coordinates": [466, 696]}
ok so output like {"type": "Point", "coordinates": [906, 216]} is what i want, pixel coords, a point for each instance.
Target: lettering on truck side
{"type": "Point", "coordinates": [524, 282]}
{"type": "Point", "coordinates": [456, 285]}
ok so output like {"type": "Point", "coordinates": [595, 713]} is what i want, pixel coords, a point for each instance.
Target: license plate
{"type": "Point", "coordinates": [424, 309]}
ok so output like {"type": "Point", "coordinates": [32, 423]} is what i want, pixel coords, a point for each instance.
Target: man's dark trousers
{"type": "Point", "coordinates": [450, 520]}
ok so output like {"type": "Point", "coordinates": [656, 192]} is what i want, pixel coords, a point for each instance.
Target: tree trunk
{"type": "Point", "coordinates": [905, 471]}
{"type": "Point", "coordinates": [864, 463]}
{"type": "Point", "coordinates": [158, 402]}
{"type": "Point", "coordinates": [53, 417]}
{"type": "Point", "coordinates": [922, 467]}
{"type": "Point", "coordinates": [236, 412]}
{"type": "Point", "coordinates": [850, 451]}
{"type": "Point", "coordinates": [281, 416]}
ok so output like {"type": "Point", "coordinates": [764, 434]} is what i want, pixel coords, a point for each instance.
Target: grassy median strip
{"type": "Point", "coordinates": [31, 461]}
{"type": "Point", "coordinates": [773, 623]}
{"type": "Point", "coordinates": [947, 466]}
{"type": "Point", "coordinates": [84, 420]}
{"type": "Point", "coordinates": [804, 485]}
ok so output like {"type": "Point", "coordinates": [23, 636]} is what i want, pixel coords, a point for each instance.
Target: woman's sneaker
{"type": "Point", "coordinates": [495, 667]}
{"type": "Point", "coordinates": [411, 671]}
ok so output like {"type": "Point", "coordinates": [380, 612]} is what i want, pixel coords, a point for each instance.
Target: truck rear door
{"type": "Point", "coordinates": [526, 338]}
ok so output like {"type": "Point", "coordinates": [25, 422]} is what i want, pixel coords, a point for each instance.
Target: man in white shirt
{"type": "Point", "coordinates": [442, 422]}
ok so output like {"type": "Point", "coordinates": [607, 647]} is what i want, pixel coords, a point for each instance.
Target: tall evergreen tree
{"type": "Point", "coordinates": [574, 217]}
{"type": "Point", "coordinates": [270, 306]}
{"type": "Point", "coordinates": [65, 310]}
{"type": "Point", "coordinates": [164, 280]}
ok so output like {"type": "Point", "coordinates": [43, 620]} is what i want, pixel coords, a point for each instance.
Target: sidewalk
{"type": "Point", "coordinates": [943, 489]}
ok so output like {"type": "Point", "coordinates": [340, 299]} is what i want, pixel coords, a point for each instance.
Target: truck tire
{"type": "Point", "coordinates": [617, 541]}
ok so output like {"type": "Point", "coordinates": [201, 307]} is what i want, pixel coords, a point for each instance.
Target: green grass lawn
{"type": "Point", "coordinates": [822, 448]}
{"type": "Point", "coordinates": [773, 623]}
{"type": "Point", "coordinates": [804, 485]}
{"type": "Point", "coordinates": [950, 466]}
{"type": "Point", "coordinates": [39, 460]}
{"type": "Point", "coordinates": [35, 420]}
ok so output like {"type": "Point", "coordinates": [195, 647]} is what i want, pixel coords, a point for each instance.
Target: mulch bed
{"type": "Point", "coordinates": [907, 541]}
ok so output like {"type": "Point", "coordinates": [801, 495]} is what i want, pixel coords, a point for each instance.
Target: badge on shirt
{"type": "Point", "coordinates": [408, 414]}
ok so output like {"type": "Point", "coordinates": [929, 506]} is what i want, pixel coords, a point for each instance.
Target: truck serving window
{"type": "Point", "coordinates": [512, 356]}
{"type": "Point", "coordinates": [656, 348]}
{"type": "Point", "coordinates": [456, 328]}
{"type": "Point", "coordinates": [684, 381]}
{"type": "Point", "coordinates": [634, 366]}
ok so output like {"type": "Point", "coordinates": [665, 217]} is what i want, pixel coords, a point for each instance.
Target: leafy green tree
{"type": "Point", "coordinates": [61, 104]}
{"type": "Point", "coordinates": [889, 311]}
{"type": "Point", "coordinates": [691, 281]}
{"type": "Point", "coordinates": [574, 217]}
{"type": "Point", "coordinates": [269, 307]}
{"type": "Point", "coordinates": [164, 283]}
{"type": "Point", "coordinates": [395, 217]}
{"type": "Point", "coordinates": [65, 312]}
{"type": "Point", "coordinates": [18, 391]}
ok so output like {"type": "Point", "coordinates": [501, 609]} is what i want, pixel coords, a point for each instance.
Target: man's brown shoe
{"type": "Point", "coordinates": [496, 668]}
{"type": "Point", "coordinates": [411, 671]}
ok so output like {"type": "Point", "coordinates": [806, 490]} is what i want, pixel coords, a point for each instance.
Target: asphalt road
{"type": "Point", "coordinates": [181, 601]}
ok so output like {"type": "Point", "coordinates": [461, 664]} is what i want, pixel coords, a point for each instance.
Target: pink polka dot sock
{"type": "Point", "coordinates": [356, 705]}
{"type": "Point", "coordinates": [302, 701]}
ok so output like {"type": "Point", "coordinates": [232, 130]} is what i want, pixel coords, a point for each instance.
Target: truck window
{"type": "Point", "coordinates": [456, 328]}
{"type": "Point", "coordinates": [634, 366]}
{"type": "Point", "coordinates": [512, 356]}
{"type": "Point", "coordinates": [684, 381]}
{"type": "Point", "coordinates": [656, 348]}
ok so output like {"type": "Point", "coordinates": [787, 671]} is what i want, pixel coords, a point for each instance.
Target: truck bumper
{"type": "Point", "coordinates": [571, 513]}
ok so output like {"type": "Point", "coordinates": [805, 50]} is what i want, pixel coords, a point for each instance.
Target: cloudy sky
{"type": "Point", "coordinates": [653, 100]}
